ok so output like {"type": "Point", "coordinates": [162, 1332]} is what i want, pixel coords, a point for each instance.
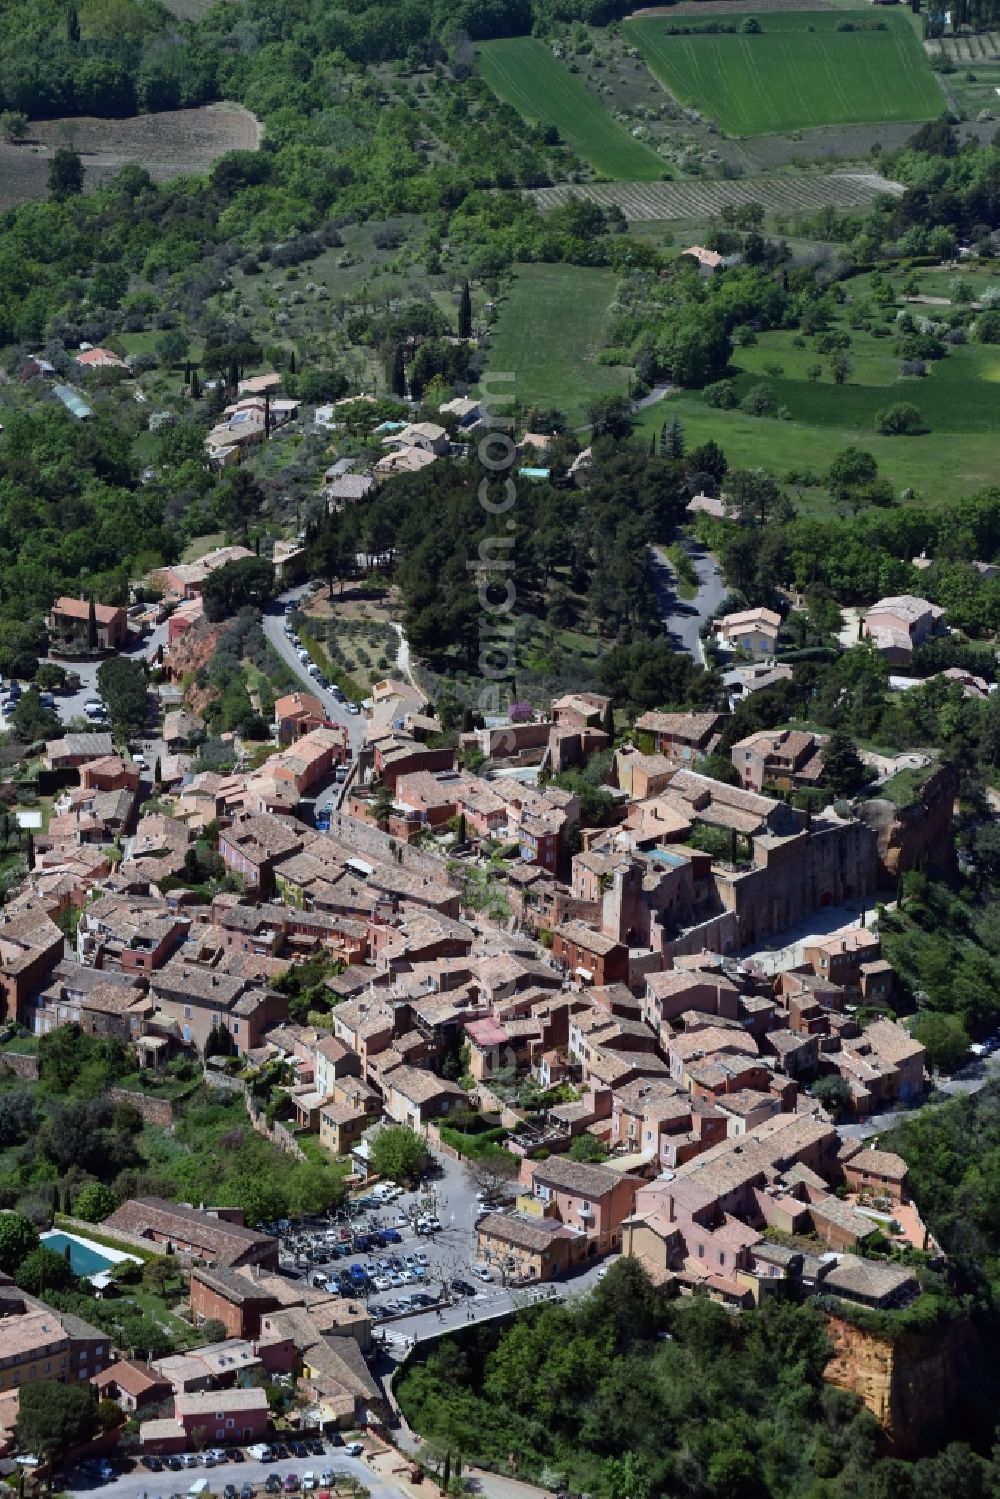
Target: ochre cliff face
{"type": "Point", "coordinates": [907, 1384]}
{"type": "Point", "coordinates": [918, 836]}
{"type": "Point", "coordinates": [193, 650]}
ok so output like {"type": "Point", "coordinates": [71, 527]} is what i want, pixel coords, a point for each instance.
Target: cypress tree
{"type": "Point", "coordinates": [92, 625]}
{"type": "Point", "coordinates": [465, 311]}
{"type": "Point", "coordinates": [72, 27]}
{"type": "Point", "coordinates": [195, 385]}
{"type": "Point", "coordinates": [397, 379]}
{"type": "Point", "coordinates": [291, 363]}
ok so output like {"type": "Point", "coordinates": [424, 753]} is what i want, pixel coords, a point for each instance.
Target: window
{"type": "Point", "coordinates": [187, 1012]}
{"type": "Point", "coordinates": [585, 1207]}
{"type": "Point", "coordinates": [701, 1251]}
{"type": "Point", "coordinates": [722, 1256]}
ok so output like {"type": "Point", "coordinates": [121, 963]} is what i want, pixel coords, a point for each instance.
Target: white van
{"type": "Point", "coordinates": [199, 1487]}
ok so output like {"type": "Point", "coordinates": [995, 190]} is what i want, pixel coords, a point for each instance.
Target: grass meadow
{"type": "Point", "coordinates": [958, 398]}
{"type": "Point", "coordinates": [523, 71]}
{"type": "Point", "coordinates": [798, 72]}
{"type": "Point", "coordinates": [552, 326]}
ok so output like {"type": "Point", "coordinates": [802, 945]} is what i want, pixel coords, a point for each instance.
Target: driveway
{"type": "Point", "coordinates": [681, 619]}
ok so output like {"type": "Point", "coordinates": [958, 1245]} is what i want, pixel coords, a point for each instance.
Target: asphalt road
{"type": "Point", "coordinates": [683, 619]}
{"type": "Point", "coordinates": [973, 1076]}
{"type": "Point", "coordinates": [274, 629]}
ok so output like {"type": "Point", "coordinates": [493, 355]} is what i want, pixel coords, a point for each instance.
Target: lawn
{"type": "Point", "coordinates": [798, 72]}
{"type": "Point", "coordinates": [524, 72]}
{"type": "Point", "coordinates": [552, 325]}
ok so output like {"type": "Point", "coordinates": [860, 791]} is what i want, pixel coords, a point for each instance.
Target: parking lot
{"type": "Point", "coordinates": [335, 1468]}
{"type": "Point", "coordinates": [440, 1286]}
{"type": "Point", "coordinates": [402, 1256]}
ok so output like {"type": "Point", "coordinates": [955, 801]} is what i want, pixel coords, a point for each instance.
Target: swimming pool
{"type": "Point", "coordinates": [85, 1257]}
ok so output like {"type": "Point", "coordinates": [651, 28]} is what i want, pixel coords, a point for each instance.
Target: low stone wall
{"type": "Point", "coordinates": [151, 1110]}
{"type": "Point", "coordinates": [21, 1064]}
{"type": "Point", "coordinates": [277, 1133]}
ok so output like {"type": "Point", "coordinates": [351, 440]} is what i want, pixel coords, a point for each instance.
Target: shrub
{"type": "Point", "coordinates": [722, 395]}
{"type": "Point", "coordinates": [901, 420]}
{"type": "Point", "coordinates": [759, 401]}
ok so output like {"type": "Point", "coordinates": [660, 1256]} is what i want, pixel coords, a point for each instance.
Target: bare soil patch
{"type": "Point", "coordinates": [168, 144]}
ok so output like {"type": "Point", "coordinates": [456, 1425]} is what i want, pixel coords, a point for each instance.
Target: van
{"type": "Point", "coordinates": [200, 1486]}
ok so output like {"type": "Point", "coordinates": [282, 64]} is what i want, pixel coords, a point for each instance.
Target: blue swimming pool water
{"type": "Point", "coordinates": [82, 1259]}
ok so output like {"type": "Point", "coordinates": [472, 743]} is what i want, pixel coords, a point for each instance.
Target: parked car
{"type": "Point", "coordinates": [291, 1483]}
{"type": "Point", "coordinates": [153, 1463]}
{"type": "Point", "coordinates": [354, 1449]}
{"type": "Point", "coordinates": [273, 1484]}
{"type": "Point", "coordinates": [462, 1288]}
{"type": "Point", "coordinates": [309, 1481]}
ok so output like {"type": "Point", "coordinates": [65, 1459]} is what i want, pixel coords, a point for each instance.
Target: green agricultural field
{"type": "Point", "coordinates": [798, 72]}
{"type": "Point", "coordinates": [552, 325]}
{"type": "Point", "coordinates": [940, 470]}
{"type": "Point", "coordinates": [958, 398]}
{"type": "Point", "coordinates": [524, 72]}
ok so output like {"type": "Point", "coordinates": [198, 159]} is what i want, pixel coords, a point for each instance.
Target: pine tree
{"type": "Point", "coordinates": [664, 448]}
{"type": "Point", "coordinates": [652, 445]}
{"type": "Point", "coordinates": [195, 385]}
{"type": "Point", "coordinates": [465, 311]}
{"type": "Point", "coordinates": [675, 438]}
{"type": "Point", "coordinates": [92, 625]}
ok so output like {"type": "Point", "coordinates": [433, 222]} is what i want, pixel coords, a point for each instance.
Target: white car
{"type": "Point", "coordinates": [327, 1477]}
{"type": "Point", "coordinates": [308, 1481]}
{"type": "Point", "coordinates": [382, 1283]}
{"type": "Point", "coordinates": [141, 761]}
{"type": "Point", "coordinates": [354, 1449]}
{"type": "Point", "coordinates": [482, 1272]}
